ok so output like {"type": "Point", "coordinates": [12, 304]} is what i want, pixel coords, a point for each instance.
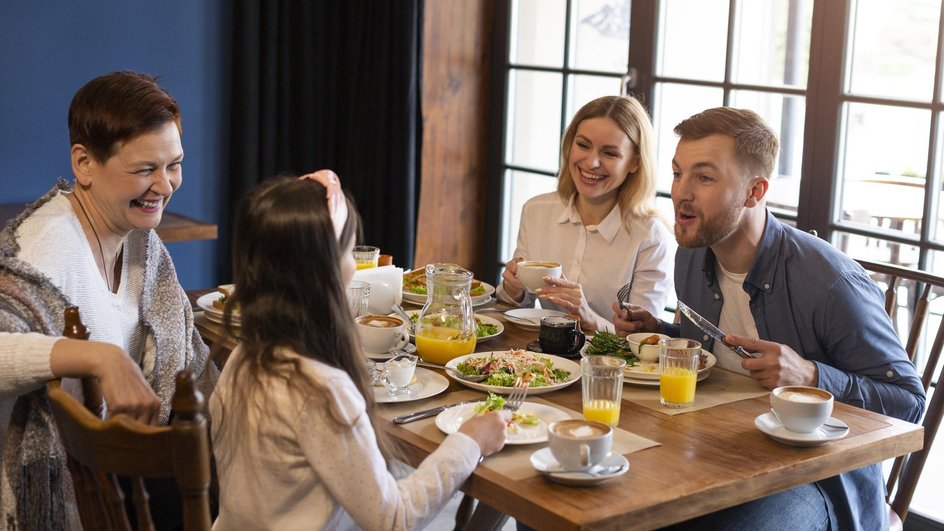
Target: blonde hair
{"type": "Point", "coordinates": [636, 194]}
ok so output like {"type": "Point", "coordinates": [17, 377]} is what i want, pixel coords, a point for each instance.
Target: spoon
{"type": "Point", "coordinates": [397, 309]}
{"type": "Point", "coordinates": [467, 377]}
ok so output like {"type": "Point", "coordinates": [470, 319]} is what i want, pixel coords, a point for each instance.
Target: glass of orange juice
{"type": "Point", "coordinates": [678, 371]}
{"type": "Point", "coordinates": [366, 256]}
{"type": "Point", "coordinates": [602, 382]}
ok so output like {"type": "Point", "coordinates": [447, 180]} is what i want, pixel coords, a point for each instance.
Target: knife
{"type": "Point", "coordinates": [410, 417]}
{"type": "Point", "coordinates": [712, 330]}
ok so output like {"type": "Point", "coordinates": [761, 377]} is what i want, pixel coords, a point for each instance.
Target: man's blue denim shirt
{"type": "Point", "coordinates": [808, 295]}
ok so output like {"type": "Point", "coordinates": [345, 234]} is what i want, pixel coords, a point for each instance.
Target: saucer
{"type": "Point", "coordinates": [535, 346]}
{"type": "Point", "coordinates": [543, 461]}
{"type": "Point", "coordinates": [770, 425]}
{"type": "Point", "coordinates": [410, 348]}
{"type": "Point", "coordinates": [426, 384]}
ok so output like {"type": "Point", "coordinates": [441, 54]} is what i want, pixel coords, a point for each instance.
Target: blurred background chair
{"type": "Point", "coordinates": [906, 470]}
{"type": "Point", "coordinates": [101, 450]}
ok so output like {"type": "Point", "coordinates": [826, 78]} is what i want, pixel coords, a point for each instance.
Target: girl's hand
{"type": "Point", "coordinates": [487, 430]}
{"type": "Point", "coordinates": [337, 203]}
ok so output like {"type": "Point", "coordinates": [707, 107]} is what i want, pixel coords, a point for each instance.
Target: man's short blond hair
{"type": "Point", "coordinates": [755, 144]}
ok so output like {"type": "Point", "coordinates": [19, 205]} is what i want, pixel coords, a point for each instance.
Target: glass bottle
{"type": "Point", "coordinates": [445, 328]}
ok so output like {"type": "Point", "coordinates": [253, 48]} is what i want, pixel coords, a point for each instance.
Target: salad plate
{"type": "Point", "coordinates": [482, 292]}
{"type": "Point", "coordinates": [524, 358]}
{"type": "Point", "coordinates": [516, 432]}
{"type": "Point", "coordinates": [426, 383]}
{"type": "Point", "coordinates": [770, 425]}
{"type": "Point", "coordinates": [613, 465]}
{"type": "Point", "coordinates": [479, 319]}
{"type": "Point", "coordinates": [530, 318]}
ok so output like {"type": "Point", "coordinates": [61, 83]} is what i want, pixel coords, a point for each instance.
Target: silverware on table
{"type": "Point", "coordinates": [410, 417]}
{"type": "Point", "coordinates": [623, 295]}
{"type": "Point", "coordinates": [517, 394]}
{"type": "Point", "coordinates": [397, 309]}
{"type": "Point", "coordinates": [713, 332]}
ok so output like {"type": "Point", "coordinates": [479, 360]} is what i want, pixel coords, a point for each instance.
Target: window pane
{"type": "Point", "coordinates": [876, 249]}
{"type": "Point", "coordinates": [674, 103]}
{"type": "Point", "coordinates": [893, 49]}
{"type": "Point", "coordinates": [773, 42]}
{"type": "Point", "coordinates": [586, 88]}
{"type": "Point", "coordinates": [534, 119]}
{"type": "Point", "coordinates": [785, 115]}
{"type": "Point", "coordinates": [693, 39]}
{"type": "Point", "coordinates": [537, 32]}
{"type": "Point", "coordinates": [883, 166]}
{"type": "Point", "coordinates": [600, 38]}
{"type": "Point", "coordinates": [519, 187]}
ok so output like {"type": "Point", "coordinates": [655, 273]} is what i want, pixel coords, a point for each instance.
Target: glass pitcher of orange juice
{"type": "Point", "coordinates": [445, 328]}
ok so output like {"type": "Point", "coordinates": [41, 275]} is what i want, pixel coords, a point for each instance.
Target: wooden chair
{"type": "Point", "coordinates": [907, 469]}
{"type": "Point", "coordinates": [100, 450]}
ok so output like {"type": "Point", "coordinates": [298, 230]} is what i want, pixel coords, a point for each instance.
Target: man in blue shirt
{"type": "Point", "coordinates": [811, 315]}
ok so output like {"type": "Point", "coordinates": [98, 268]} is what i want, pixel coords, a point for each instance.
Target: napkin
{"type": "Point", "coordinates": [386, 287]}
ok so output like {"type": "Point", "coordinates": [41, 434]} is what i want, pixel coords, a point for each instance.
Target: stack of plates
{"type": "Point", "coordinates": [212, 312]}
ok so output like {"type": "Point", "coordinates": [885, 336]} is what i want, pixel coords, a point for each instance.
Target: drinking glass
{"type": "Point", "coordinates": [602, 388]}
{"type": "Point", "coordinates": [358, 293]}
{"type": "Point", "coordinates": [678, 371]}
{"type": "Point", "coordinates": [366, 256]}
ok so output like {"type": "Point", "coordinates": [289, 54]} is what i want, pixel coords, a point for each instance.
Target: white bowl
{"type": "Point", "coordinates": [645, 352]}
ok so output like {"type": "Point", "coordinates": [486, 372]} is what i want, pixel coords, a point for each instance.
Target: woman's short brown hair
{"type": "Point", "coordinates": [755, 144]}
{"type": "Point", "coordinates": [117, 107]}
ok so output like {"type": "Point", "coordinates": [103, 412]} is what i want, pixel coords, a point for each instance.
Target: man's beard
{"type": "Point", "coordinates": [710, 231]}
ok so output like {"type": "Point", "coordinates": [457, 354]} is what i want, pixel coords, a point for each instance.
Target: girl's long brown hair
{"type": "Point", "coordinates": [290, 294]}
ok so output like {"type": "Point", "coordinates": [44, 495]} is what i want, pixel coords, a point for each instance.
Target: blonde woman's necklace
{"type": "Point", "coordinates": [101, 248]}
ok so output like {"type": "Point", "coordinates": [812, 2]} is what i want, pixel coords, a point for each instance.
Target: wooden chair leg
{"type": "Point", "coordinates": [464, 512]}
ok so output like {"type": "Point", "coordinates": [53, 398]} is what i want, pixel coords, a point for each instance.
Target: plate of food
{"type": "Point", "coordinates": [608, 344]}
{"type": "Point", "coordinates": [528, 425]}
{"type": "Point", "coordinates": [214, 302]}
{"type": "Point", "coordinates": [414, 289]}
{"type": "Point", "coordinates": [485, 327]}
{"type": "Point", "coordinates": [496, 371]}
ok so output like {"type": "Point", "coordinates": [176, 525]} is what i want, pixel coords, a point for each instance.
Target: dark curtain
{"type": "Point", "coordinates": [333, 84]}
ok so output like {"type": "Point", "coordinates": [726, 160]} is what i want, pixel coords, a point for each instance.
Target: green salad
{"type": "Point", "coordinates": [607, 344]}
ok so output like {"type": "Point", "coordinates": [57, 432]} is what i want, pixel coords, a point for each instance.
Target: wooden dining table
{"type": "Point", "coordinates": [704, 460]}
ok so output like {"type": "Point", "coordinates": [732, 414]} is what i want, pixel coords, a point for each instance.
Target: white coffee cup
{"type": "Point", "coordinates": [801, 409]}
{"type": "Point", "coordinates": [531, 273]}
{"type": "Point", "coordinates": [579, 444]}
{"type": "Point", "coordinates": [381, 333]}
{"type": "Point", "coordinates": [398, 373]}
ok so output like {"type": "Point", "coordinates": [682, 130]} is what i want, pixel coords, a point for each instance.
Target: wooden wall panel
{"type": "Point", "coordinates": [456, 51]}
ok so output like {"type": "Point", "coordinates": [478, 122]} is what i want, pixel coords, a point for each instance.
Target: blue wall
{"type": "Point", "coordinates": [48, 49]}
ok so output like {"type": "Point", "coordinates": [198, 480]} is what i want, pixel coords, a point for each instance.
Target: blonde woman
{"type": "Point", "coordinates": [600, 224]}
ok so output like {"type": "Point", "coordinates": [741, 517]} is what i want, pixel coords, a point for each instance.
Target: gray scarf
{"type": "Point", "coordinates": [40, 492]}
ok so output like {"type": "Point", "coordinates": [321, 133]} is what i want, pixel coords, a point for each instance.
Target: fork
{"type": "Point", "coordinates": [623, 295]}
{"type": "Point", "coordinates": [518, 392]}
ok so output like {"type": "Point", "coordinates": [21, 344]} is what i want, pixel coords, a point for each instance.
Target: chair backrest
{"type": "Point", "coordinates": [100, 450]}
{"type": "Point", "coordinates": [919, 286]}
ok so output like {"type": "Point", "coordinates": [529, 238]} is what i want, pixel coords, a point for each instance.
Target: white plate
{"type": "Point", "coordinates": [205, 302]}
{"type": "Point", "coordinates": [650, 371]}
{"type": "Point", "coordinates": [427, 384]}
{"type": "Point", "coordinates": [702, 374]}
{"type": "Point", "coordinates": [484, 319]}
{"type": "Point", "coordinates": [543, 461]}
{"type": "Point", "coordinates": [477, 300]}
{"type": "Point", "coordinates": [449, 421]}
{"type": "Point", "coordinates": [530, 318]}
{"type": "Point", "coordinates": [410, 348]}
{"type": "Point", "coordinates": [770, 425]}
{"type": "Point", "coordinates": [558, 363]}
